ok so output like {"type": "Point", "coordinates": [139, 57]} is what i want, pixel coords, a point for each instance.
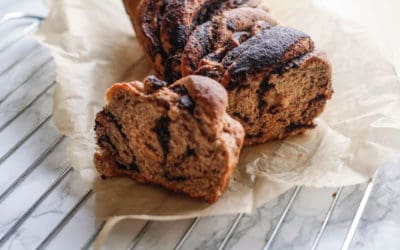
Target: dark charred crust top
{"type": "Point", "coordinates": [178, 22]}
{"type": "Point", "coordinates": [147, 27]}
{"type": "Point", "coordinates": [181, 17]}
{"type": "Point", "coordinates": [163, 27]}
{"type": "Point", "coordinates": [150, 25]}
{"type": "Point", "coordinates": [199, 45]}
{"type": "Point", "coordinates": [269, 49]}
{"type": "Point", "coordinates": [265, 49]}
{"type": "Point", "coordinates": [222, 34]}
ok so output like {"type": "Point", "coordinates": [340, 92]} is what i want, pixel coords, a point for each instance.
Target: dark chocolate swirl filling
{"type": "Point", "coordinates": [104, 140]}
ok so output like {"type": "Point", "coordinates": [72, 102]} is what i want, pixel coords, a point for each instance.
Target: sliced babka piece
{"type": "Point", "coordinates": [179, 137]}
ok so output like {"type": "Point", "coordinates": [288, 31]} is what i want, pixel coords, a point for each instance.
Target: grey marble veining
{"type": "Point", "coordinates": [49, 213]}
{"type": "Point", "coordinates": [22, 5]}
{"type": "Point", "coordinates": [163, 235]}
{"type": "Point", "coordinates": [18, 51]}
{"type": "Point", "coordinates": [26, 94]}
{"type": "Point", "coordinates": [78, 230]}
{"type": "Point", "coordinates": [342, 216]}
{"type": "Point", "coordinates": [380, 224]}
{"type": "Point", "coordinates": [39, 59]}
{"type": "Point", "coordinates": [30, 119]}
{"type": "Point", "coordinates": [254, 229]}
{"type": "Point", "coordinates": [209, 232]}
{"type": "Point", "coordinates": [27, 154]}
{"type": "Point", "coordinates": [14, 205]}
{"type": "Point", "coordinates": [304, 219]}
{"type": "Point", "coordinates": [26, 80]}
{"type": "Point", "coordinates": [124, 233]}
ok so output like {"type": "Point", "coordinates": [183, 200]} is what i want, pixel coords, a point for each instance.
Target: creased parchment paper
{"type": "Point", "coordinates": [94, 46]}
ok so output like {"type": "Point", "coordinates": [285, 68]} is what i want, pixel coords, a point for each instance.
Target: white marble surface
{"type": "Point", "coordinates": [32, 146]}
{"type": "Point", "coordinates": [380, 224]}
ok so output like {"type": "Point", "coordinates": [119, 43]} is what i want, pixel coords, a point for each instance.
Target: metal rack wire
{"type": "Point", "coordinates": [68, 171]}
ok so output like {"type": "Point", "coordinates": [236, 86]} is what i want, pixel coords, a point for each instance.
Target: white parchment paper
{"type": "Point", "coordinates": [94, 46]}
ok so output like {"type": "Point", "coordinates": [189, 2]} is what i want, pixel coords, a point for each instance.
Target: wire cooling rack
{"type": "Point", "coordinates": [42, 205]}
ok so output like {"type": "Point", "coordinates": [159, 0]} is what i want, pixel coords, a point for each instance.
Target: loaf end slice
{"type": "Point", "coordinates": [286, 102]}
{"type": "Point", "coordinates": [179, 137]}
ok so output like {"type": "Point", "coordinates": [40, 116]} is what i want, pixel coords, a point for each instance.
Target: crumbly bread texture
{"type": "Point", "coordinates": [277, 82]}
{"type": "Point", "coordinates": [179, 137]}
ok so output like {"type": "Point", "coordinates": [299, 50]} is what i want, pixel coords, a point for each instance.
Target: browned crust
{"type": "Point", "coordinates": [147, 29]}
{"type": "Point", "coordinates": [269, 49]}
{"type": "Point", "coordinates": [163, 27]}
{"type": "Point", "coordinates": [198, 45]}
{"type": "Point", "coordinates": [131, 5]}
{"type": "Point", "coordinates": [177, 21]}
{"type": "Point", "coordinates": [207, 93]}
{"type": "Point", "coordinates": [135, 86]}
{"type": "Point", "coordinates": [240, 19]}
{"type": "Point", "coordinates": [213, 36]}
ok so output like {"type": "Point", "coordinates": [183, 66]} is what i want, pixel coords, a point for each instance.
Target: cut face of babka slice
{"type": "Point", "coordinates": [179, 137]}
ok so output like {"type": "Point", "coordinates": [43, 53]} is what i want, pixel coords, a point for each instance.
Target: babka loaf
{"type": "Point", "coordinates": [277, 81]}
{"type": "Point", "coordinates": [179, 137]}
